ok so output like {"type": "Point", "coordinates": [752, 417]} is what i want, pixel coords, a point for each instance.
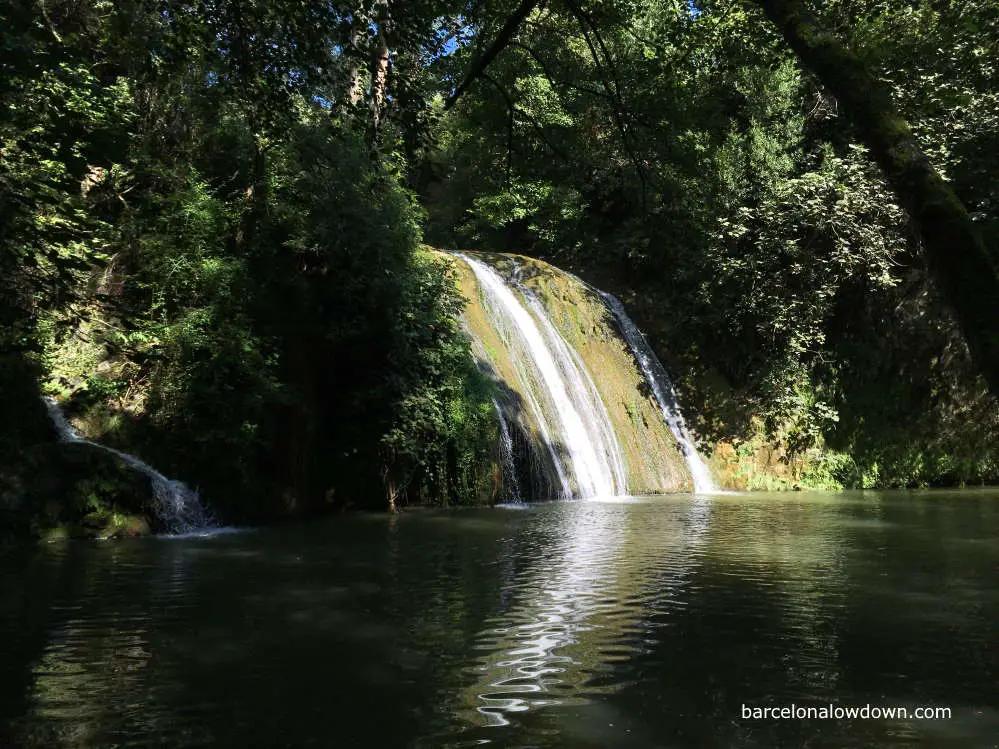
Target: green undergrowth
{"type": "Point", "coordinates": [762, 463]}
{"type": "Point", "coordinates": [296, 357]}
{"type": "Point", "coordinates": [759, 463]}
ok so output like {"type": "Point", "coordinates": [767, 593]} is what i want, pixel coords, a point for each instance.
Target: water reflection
{"type": "Point", "coordinates": [574, 624]}
{"type": "Point", "coordinates": [570, 617]}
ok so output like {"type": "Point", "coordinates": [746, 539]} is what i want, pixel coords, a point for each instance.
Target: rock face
{"type": "Point", "coordinates": [66, 489]}
{"type": "Point", "coordinates": [651, 458]}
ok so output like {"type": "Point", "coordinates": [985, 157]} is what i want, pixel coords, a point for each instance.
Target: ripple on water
{"type": "Point", "coordinates": [572, 621]}
{"type": "Point", "coordinates": [576, 624]}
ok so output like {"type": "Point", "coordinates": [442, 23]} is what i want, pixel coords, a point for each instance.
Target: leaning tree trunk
{"type": "Point", "coordinates": [380, 66]}
{"type": "Point", "coordinates": [963, 269]}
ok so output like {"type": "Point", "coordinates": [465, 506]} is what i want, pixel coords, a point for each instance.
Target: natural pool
{"type": "Point", "coordinates": [622, 623]}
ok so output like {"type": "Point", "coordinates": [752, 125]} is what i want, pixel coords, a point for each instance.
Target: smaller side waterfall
{"type": "Point", "coordinates": [662, 388]}
{"type": "Point", "coordinates": [511, 488]}
{"type": "Point", "coordinates": [177, 506]}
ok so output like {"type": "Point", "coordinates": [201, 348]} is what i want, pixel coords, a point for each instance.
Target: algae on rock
{"type": "Point", "coordinates": [653, 462]}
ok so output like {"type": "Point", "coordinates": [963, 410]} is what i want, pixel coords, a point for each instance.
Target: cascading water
{"type": "Point", "coordinates": [662, 388]}
{"type": "Point", "coordinates": [559, 393]}
{"type": "Point", "coordinates": [591, 406]}
{"type": "Point", "coordinates": [177, 506]}
{"type": "Point", "coordinates": [511, 489]}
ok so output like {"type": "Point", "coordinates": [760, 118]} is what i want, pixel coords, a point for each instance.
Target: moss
{"type": "Point", "coordinates": [493, 353]}
{"type": "Point", "coordinates": [755, 463]}
{"type": "Point", "coordinates": [118, 525]}
{"type": "Point", "coordinates": [761, 464]}
{"type": "Point", "coordinates": [493, 357]}
{"type": "Point", "coordinates": [76, 491]}
{"type": "Point", "coordinates": [653, 460]}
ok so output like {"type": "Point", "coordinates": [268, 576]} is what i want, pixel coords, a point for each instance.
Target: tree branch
{"type": "Point", "coordinates": [510, 108]}
{"type": "Point", "coordinates": [555, 81]}
{"type": "Point", "coordinates": [965, 270]}
{"type": "Point", "coordinates": [499, 44]}
{"type": "Point", "coordinates": [530, 120]}
{"type": "Point", "coordinates": [617, 106]}
{"type": "Point", "coordinates": [48, 21]}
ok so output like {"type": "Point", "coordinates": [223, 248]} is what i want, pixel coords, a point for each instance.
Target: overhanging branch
{"type": "Point", "coordinates": [499, 44]}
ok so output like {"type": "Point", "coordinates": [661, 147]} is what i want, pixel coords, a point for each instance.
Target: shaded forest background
{"type": "Point", "coordinates": [212, 217]}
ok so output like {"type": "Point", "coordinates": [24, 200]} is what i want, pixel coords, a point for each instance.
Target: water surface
{"type": "Point", "coordinates": [640, 623]}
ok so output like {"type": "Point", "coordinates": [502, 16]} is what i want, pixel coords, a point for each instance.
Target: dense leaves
{"type": "Point", "coordinates": [210, 248]}
{"type": "Point", "coordinates": [680, 155]}
{"type": "Point", "coordinates": [211, 218]}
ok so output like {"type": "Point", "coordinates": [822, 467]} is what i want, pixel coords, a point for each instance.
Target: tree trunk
{"type": "Point", "coordinates": [255, 193]}
{"type": "Point", "coordinates": [379, 81]}
{"type": "Point", "coordinates": [380, 65]}
{"type": "Point", "coordinates": [391, 488]}
{"type": "Point", "coordinates": [355, 89]}
{"type": "Point", "coordinates": [453, 485]}
{"type": "Point", "coordinates": [964, 270]}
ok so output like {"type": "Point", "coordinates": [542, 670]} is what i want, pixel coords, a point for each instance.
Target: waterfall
{"type": "Point", "coordinates": [558, 391]}
{"type": "Point", "coordinates": [591, 406]}
{"type": "Point", "coordinates": [177, 506]}
{"type": "Point", "coordinates": [511, 488]}
{"type": "Point", "coordinates": [662, 388]}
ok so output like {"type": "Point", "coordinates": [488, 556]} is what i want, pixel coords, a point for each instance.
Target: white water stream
{"type": "Point", "coordinates": [571, 418]}
{"type": "Point", "coordinates": [511, 489]}
{"type": "Point", "coordinates": [662, 388]}
{"type": "Point", "coordinates": [177, 506]}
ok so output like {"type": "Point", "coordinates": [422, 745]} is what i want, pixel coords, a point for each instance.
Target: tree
{"type": "Point", "coordinates": [769, 247]}
{"type": "Point", "coordinates": [965, 271]}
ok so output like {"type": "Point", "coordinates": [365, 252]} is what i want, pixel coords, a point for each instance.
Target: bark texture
{"type": "Point", "coordinates": [965, 271]}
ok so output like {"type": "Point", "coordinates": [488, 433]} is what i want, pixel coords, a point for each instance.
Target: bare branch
{"type": "Point", "coordinates": [499, 44]}
{"type": "Point", "coordinates": [613, 91]}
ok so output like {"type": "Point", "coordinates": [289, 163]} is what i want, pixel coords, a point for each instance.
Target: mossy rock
{"type": "Point", "coordinates": [652, 458]}
{"type": "Point", "coordinates": [76, 487]}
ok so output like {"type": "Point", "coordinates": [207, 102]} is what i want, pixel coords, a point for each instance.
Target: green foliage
{"type": "Point", "coordinates": [209, 235]}
{"type": "Point", "coordinates": [716, 187]}
{"type": "Point", "coordinates": [445, 427]}
{"type": "Point", "coordinates": [61, 120]}
{"type": "Point", "coordinates": [219, 269]}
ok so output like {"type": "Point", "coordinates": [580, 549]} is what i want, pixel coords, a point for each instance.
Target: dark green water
{"type": "Point", "coordinates": [576, 624]}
